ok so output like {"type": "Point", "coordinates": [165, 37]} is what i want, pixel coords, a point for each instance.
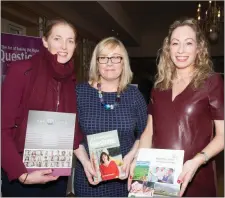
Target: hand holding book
{"type": "Point", "coordinates": [189, 169]}
{"type": "Point", "coordinates": [131, 173]}
{"type": "Point", "coordinates": [127, 160]}
{"type": "Point", "coordinates": [90, 172]}
{"type": "Point", "coordinates": [87, 164]}
{"type": "Point", "coordinates": [38, 177]}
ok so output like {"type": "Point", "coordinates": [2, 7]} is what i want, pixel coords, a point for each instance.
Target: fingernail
{"type": "Point", "coordinates": [178, 181]}
{"type": "Point", "coordinates": [131, 177]}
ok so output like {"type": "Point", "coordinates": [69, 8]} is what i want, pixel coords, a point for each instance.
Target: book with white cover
{"type": "Point", "coordinates": [156, 173]}
{"type": "Point", "coordinates": [49, 142]}
{"type": "Point", "coordinates": [105, 155]}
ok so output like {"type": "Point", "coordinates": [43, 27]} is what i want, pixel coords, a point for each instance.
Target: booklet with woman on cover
{"type": "Point", "coordinates": [105, 155]}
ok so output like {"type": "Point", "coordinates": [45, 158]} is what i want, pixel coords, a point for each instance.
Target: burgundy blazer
{"type": "Point", "coordinates": [14, 119]}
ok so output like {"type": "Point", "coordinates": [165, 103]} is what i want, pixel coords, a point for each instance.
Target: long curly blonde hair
{"type": "Point", "coordinates": [166, 68]}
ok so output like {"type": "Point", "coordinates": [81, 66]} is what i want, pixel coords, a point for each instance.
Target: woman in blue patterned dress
{"type": "Point", "coordinates": [108, 102]}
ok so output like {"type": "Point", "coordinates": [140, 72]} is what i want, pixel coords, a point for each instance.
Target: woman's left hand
{"type": "Point", "coordinates": [189, 169]}
{"type": "Point", "coordinates": [126, 164]}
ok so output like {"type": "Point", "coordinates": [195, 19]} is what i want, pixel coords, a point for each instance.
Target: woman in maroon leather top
{"type": "Point", "coordinates": [187, 102]}
{"type": "Point", "coordinates": [45, 82]}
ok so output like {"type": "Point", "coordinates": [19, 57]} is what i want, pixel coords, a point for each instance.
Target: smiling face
{"type": "Point", "coordinates": [110, 63]}
{"type": "Point", "coordinates": [61, 41]}
{"type": "Point", "coordinates": [183, 47]}
{"type": "Point", "coordinates": [104, 158]}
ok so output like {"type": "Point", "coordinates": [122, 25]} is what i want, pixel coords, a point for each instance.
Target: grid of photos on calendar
{"type": "Point", "coordinates": [45, 158]}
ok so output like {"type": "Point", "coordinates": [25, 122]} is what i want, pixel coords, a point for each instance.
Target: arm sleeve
{"type": "Point", "coordinates": [12, 91]}
{"type": "Point", "coordinates": [78, 137]}
{"type": "Point", "coordinates": [150, 103]}
{"type": "Point", "coordinates": [141, 112]}
{"type": "Point", "coordinates": [216, 97]}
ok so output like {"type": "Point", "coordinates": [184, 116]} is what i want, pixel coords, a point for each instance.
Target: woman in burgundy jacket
{"type": "Point", "coordinates": [187, 102]}
{"type": "Point", "coordinates": [45, 82]}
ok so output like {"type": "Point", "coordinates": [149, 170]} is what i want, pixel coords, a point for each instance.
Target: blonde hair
{"type": "Point", "coordinates": [166, 68]}
{"type": "Point", "coordinates": [112, 43]}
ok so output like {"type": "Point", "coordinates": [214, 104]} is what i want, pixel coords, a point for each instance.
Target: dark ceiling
{"type": "Point", "coordinates": [144, 16]}
{"type": "Point", "coordinates": [152, 14]}
{"type": "Point", "coordinates": [97, 21]}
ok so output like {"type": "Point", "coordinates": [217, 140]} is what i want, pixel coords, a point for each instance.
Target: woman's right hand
{"type": "Point", "coordinates": [90, 172]}
{"type": "Point", "coordinates": [86, 163]}
{"type": "Point", "coordinates": [38, 177]}
{"type": "Point", "coordinates": [130, 178]}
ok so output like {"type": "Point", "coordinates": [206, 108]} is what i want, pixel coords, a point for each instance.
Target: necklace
{"type": "Point", "coordinates": [103, 103]}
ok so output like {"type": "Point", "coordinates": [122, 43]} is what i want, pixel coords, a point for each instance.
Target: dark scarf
{"type": "Point", "coordinates": [46, 74]}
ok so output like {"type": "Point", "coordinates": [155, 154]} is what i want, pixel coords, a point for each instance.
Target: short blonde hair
{"type": "Point", "coordinates": [166, 68]}
{"type": "Point", "coordinates": [111, 42]}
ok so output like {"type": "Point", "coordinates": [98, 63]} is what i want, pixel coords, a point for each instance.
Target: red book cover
{"type": "Point", "coordinates": [105, 155]}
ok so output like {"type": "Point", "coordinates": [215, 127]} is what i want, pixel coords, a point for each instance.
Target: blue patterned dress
{"type": "Point", "coordinates": [129, 118]}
